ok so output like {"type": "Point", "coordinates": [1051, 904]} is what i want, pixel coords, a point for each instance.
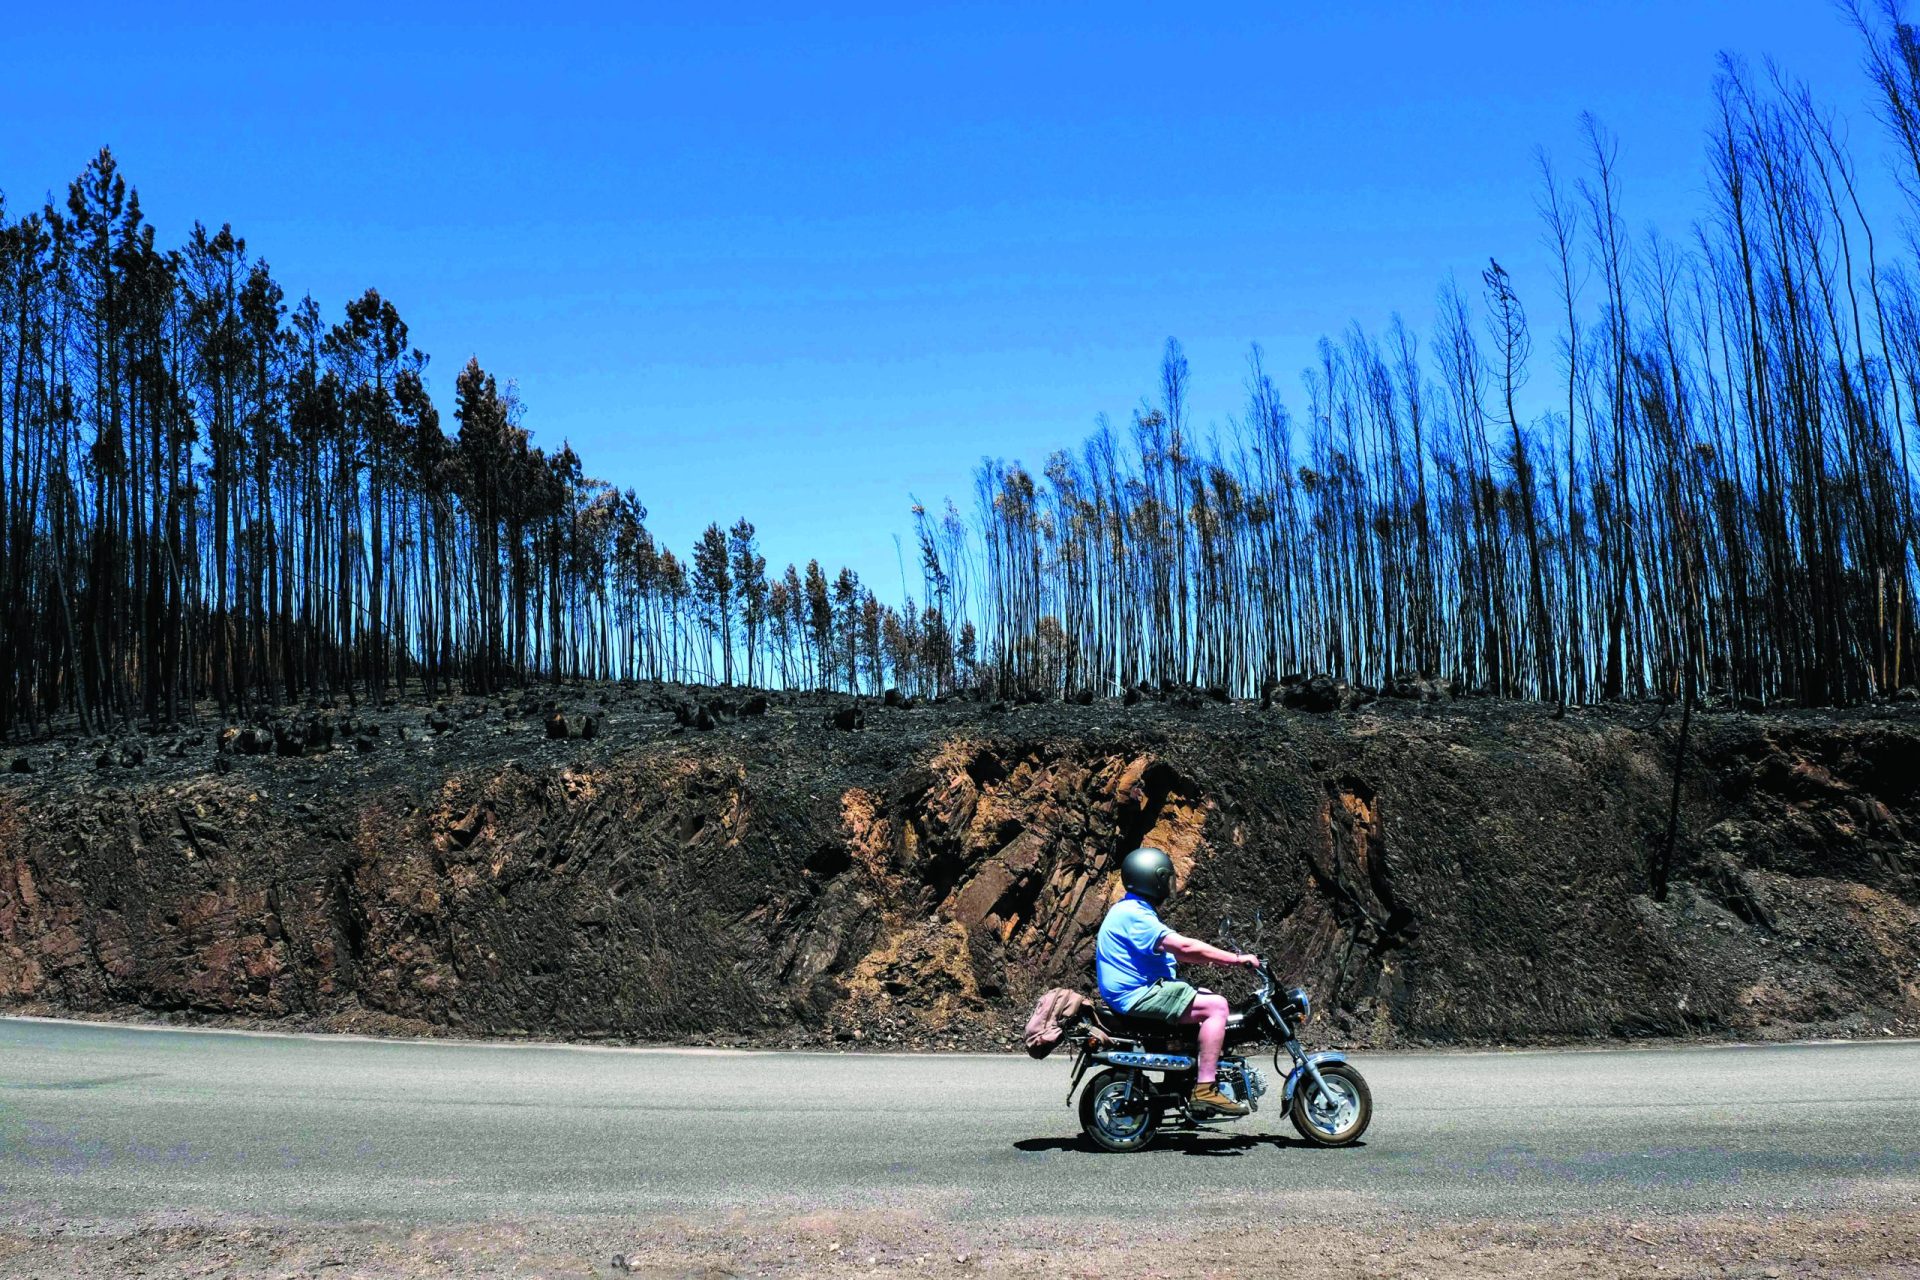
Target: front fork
{"type": "Point", "coordinates": [1300, 1059]}
{"type": "Point", "coordinates": [1302, 1062]}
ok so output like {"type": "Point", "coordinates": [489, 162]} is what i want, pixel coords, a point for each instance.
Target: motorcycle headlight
{"type": "Point", "coordinates": [1300, 1005]}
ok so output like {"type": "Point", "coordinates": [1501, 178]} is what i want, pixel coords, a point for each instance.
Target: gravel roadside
{"type": "Point", "coordinates": [1881, 1244]}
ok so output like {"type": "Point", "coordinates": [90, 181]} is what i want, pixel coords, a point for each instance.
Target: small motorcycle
{"type": "Point", "coordinates": [1123, 1106]}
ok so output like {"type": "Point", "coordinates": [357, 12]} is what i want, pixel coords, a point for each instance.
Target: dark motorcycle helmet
{"type": "Point", "coordinates": [1148, 872]}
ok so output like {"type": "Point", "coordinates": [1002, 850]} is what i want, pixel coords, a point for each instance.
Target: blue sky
{"type": "Point", "coordinates": [798, 266]}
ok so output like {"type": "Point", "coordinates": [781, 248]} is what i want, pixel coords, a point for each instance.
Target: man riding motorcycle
{"type": "Point", "coordinates": [1134, 964]}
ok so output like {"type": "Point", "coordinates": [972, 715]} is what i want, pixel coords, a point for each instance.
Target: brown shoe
{"type": "Point", "coordinates": [1207, 1100]}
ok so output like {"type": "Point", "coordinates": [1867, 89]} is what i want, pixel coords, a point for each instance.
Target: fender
{"type": "Point", "coordinates": [1299, 1070]}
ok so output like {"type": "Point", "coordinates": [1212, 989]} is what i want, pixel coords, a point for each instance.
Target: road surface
{"type": "Point", "coordinates": [105, 1122]}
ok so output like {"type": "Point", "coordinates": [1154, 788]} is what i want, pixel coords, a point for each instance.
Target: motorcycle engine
{"type": "Point", "coordinates": [1245, 1082]}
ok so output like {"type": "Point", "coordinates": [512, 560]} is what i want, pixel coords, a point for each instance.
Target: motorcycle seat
{"type": "Point", "coordinates": [1116, 1023]}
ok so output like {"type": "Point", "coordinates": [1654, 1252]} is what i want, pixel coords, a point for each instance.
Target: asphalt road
{"type": "Point", "coordinates": [104, 1122]}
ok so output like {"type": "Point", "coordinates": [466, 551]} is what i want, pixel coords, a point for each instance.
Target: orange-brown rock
{"type": "Point", "coordinates": [1434, 872]}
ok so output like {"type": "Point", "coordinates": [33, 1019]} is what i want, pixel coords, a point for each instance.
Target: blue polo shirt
{"type": "Point", "coordinates": [1126, 956]}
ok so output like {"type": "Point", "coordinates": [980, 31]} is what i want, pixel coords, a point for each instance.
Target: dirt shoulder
{"type": "Point", "coordinates": [1879, 1244]}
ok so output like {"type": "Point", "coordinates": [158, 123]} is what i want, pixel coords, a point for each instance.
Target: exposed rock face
{"type": "Point", "coordinates": [1436, 875]}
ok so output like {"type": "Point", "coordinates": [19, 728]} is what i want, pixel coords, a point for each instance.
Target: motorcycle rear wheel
{"type": "Point", "coordinates": [1335, 1123]}
{"type": "Point", "coordinates": [1109, 1121]}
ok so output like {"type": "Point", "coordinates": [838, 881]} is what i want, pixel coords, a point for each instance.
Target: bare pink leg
{"type": "Point", "coordinates": [1210, 1012]}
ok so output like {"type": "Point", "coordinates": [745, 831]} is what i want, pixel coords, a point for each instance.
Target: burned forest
{"type": "Point", "coordinates": [1679, 465]}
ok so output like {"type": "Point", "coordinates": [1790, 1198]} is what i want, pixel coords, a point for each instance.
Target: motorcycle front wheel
{"type": "Point", "coordinates": [1336, 1120]}
{"type": "Point", "coordinates": [1109, 1119]}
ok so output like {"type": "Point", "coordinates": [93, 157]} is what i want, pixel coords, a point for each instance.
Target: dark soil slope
{"type": "Point", "coordinates": [1452, 872]}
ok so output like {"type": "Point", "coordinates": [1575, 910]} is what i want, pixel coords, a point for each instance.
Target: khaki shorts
{"type": "Point", "coordinates": [1167, 1000]}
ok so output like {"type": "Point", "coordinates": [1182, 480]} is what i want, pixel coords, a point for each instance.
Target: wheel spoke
{"type": "Point", "coordinates": [1333, 1110]}
{"type": "Point", "coordinates": [1113, 1119]}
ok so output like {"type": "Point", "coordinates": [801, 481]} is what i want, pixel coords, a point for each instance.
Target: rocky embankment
{"type": "Point", "coordinates": [666, 865]}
